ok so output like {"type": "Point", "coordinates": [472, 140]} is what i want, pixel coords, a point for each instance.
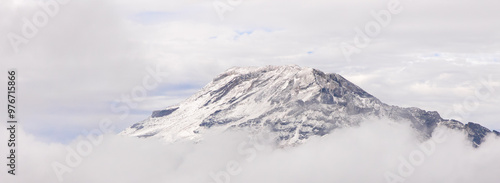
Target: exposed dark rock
{"type": "Point", "coordinates": [476, 132]}
{"type": "Point", "coordinates": [161, 113]}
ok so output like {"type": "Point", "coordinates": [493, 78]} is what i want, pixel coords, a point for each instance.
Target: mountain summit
{"type": "Point", "coordinates": [292, 102]}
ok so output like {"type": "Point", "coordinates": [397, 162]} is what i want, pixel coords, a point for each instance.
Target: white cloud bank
{"type": "Point", "coordinates": [367, 153]}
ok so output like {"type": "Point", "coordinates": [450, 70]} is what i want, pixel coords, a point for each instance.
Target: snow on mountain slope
{"type": "Point", "coordinates": [292, 102]}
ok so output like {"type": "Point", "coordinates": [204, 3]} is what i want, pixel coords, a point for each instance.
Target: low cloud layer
{"type": "Point", "coordinates": [377, 151]}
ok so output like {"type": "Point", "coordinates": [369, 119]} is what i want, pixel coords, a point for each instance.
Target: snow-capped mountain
{"type": "Point", "coordinates": [292, 102]}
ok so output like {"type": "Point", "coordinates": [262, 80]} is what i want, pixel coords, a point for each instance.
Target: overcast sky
{"type": "Point", "coordinates": [433, 55]}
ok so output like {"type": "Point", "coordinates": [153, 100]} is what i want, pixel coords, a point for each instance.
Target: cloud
{"type": "Point", "coordinates": [92, 52]}
{"type": "Point", "coordinates": [367, 153]}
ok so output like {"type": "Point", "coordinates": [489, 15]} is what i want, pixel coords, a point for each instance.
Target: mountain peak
{"type": "Point", "coordinates": [292, 102]}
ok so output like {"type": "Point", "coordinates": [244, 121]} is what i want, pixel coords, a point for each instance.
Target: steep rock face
{"type": "Point", "coordinates": [476, 132]}
{"type": "Point", "coordinates": [290, 101]}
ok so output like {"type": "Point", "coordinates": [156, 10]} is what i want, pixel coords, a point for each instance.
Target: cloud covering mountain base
{"type": "Point", "coordinates": [376, 151]}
